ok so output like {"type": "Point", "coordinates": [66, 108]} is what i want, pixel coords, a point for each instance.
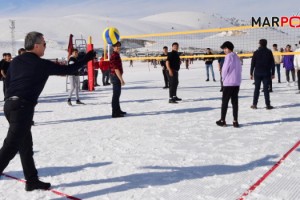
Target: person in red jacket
{"type": "Point", "coordinates": [96, 67]}
{"type": "Point", "coordinates": [104, 66]}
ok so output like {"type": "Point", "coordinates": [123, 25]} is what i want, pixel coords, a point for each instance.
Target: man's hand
{"type": "Point", "coordinates": [170, 73]}
{"type": "Point", "coordinates": [122, 82]}
{"type": "Point", "coordinates": [251, 77]}
{"type": "Point", "coordinates": [89, 56]}
{"type": "Point", "coordinates": [273, 76]}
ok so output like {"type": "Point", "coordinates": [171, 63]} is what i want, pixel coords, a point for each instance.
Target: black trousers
{"type": "Point", "coordinates": [115, 103]}
{"type": "Point", "coordinates": [230, 92]}
{"type": "Point", "coordinates": [173, 84]}
{"type": "Point", "coordinates": [298, 75]}
{"type": "Point", "coordinates": [277, 67]}
{"type": "Point", "coordinates": [95, 76]}
{"type": "Point", "coordinates": [19, 114]}
{"type": "Point", "coordinates": [266, 82]}
{"type": "Point", "coordinates": [165, 74]}
{"type": "Point", "coordinates": [4, 86]}
{"type": "Point", "coordinates": [221, 81]}
{"type": "Point", "coordinates": [287, 73]}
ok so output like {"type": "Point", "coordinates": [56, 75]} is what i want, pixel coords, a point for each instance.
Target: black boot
{"type": "Point", "coordinates": [79, 102]}
{"type": "Point", "coordinates": [36, 185]}
{"type": "Point", "coordinates": [117, 115]}
{"type": "Point", "coordinates": [123, 113]}
{"type": "Point", "coordinates": [69, 102]}
{"type": "Point", "coordinates": [221, 123]}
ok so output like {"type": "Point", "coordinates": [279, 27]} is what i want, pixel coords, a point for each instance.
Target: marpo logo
{"type": "Point", "coordinates": [293, 21]}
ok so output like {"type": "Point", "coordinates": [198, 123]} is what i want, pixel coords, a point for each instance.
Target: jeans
{"type": "Point", "coordinates": [265, 78]}
{"type": "Point", "coordinates": [105, 77]}
{"type": "Point", "coordinates": [19, 114]}
{"type": "Point", "coordinates": [173, 82]}
{"type": "Point", "coordinates": [211, 69]}
{"type": "Point", "coordinates": [230, 92]}
{"type": "Point", "coordinates": [115, 103]}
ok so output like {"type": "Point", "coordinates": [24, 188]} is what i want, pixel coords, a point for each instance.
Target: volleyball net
{"type": "Point", "coordinates": [193, 44]}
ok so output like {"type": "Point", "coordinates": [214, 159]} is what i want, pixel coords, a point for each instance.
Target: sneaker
{"type": "Point", "coordinates": [37, 185]}
{"type": "Point", "coordinates": [269, 107]}
{"type": "Point", "coordinates": [235, 124]}
{"type": "Point", "coordinates": [207, 79]}
{"type": "Point", "coordinates": [221, 123]}
{"type": "Point", "coordinates": [214, 80]}
{"type": "Point", "coordinates": [279, 81]}
{"type": "Point", "coordinates": [79, 102]}
{"type": "Point", "coordinates": [172, 101]}
{"type": "Point", "coordinates": [107, 83]}
{"type": "Point", "coordinates": [69, 102]}
{"type": "Point", "coordinates": [253, 107]}
{"type": "Point", "coordinates": [165, 87]}
{"type": "Point", "coordinates": [221, 90]}
{"type": "Point", "coordinates": [177, 99]}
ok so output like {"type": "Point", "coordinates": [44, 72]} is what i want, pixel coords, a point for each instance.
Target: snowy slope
{"type": "Point", "coordinates": [57, 29]}
{"type": "Point", "coordinates": [161, 150]}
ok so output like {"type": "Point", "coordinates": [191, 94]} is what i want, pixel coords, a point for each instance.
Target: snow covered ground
{"type": "Point", "coordinates": [160, 150]}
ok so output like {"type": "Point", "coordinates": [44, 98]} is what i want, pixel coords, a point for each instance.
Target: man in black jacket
{"type": "Point", "coordinates": [164, 67]}
{"type": "Point", "coordinates": [173, 66]}
{"type": "Point", "coordinates": [4, 67]}
{"type": "Point", "coordinates": [263, 67]}
{"type": "Point", "coordinates": [26, 78]}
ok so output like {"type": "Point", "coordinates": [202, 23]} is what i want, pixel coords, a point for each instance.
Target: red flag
{"type": "Point", "coordinates": [70, 46]}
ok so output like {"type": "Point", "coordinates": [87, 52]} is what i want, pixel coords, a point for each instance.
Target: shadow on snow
{"type": "Point", "coordinates": [165, 176]}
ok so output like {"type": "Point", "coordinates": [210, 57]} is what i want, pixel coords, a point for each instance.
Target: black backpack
{"type": "Point", "coordinates": [85, 85]}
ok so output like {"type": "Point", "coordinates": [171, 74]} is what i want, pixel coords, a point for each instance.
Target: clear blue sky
{"type": "Point", "coordinates": [141, 8]}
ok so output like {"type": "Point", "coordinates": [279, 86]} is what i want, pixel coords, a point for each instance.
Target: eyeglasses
{"type": "Point", "coordinates": [44, 44]}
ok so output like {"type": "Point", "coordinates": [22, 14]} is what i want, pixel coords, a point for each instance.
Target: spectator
{"type": "Point", "coordinates": [164, 67]}
{"type": "Point", "coordinates": [74, 79]}
{"type": "Point", "coordinates": [209, 64]}
{"type": "Point", "coordinates": [232, 78]}
{"type": "Point", "coordinates": [173, 65]}
{"type": "Point", "coordinates": [262, 68]}
{"type": "Point", "coordinates": [104, 66]}
{"type": "Point", "coordinates": [297, 66]}
{"type": "Point", "coordinates": [288, 64]}
{"type": "Point", "coordinates": [116, 72]}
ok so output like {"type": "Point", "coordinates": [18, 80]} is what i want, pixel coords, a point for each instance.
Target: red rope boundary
{"type": "Point", "coordinates": [54, 191]}
{"type": "Point", "coordinates": [255, 185]}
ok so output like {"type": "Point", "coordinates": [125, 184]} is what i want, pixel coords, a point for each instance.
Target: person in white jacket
{"type": "Point", "coordinates": [297, 66]}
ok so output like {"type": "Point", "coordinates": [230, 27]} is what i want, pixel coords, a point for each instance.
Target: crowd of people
{"type": "Point", "coordinates": [25, 76]}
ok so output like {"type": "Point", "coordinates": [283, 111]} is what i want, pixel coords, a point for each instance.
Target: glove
{"type": "Point", "coordinates": [89, 56]}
